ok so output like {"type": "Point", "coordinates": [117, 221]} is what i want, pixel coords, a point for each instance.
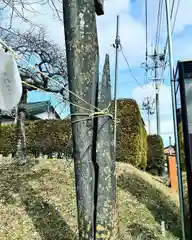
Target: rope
{"type": "Point", "coordinates": [40, 89]}
{"type": "Point", "coordinates": [104, 113]}
{"type": "Point", "coordinates": [18, 57]}
{"type": "Point", "coordinates": [99, 112]}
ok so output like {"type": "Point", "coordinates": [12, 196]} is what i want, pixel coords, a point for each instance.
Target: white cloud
{"type": "Point", "coordinates": [132, 32]}
{"type": "Point", "coordinates": [166, 122]}
{"type": "Point", "coordinates": [149, 90]}
{"type": "Point", "coordinates": [132, 29]}
{"type": "Point", "coordinates": [167, 130]}
{"type": "Point", "coordinates": [184, 16]}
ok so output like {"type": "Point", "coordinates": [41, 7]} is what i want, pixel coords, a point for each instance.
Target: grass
{"type": "Point", "coordinates": [37, 202]}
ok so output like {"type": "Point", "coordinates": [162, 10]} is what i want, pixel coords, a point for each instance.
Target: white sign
{"type": "Point", "coordinates": [10, 82]}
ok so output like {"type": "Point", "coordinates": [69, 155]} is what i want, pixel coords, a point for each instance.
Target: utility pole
{"type": "Point", "coordinates": [157, 92]}
{"type": "Point", "coordinates": [116, 45]}
{"type": "Point", "coordinates": [147, 106]}
{"type": "Point", "coordinates": [170, 146]}
{"type": "Point", "coordinates": [158, 62]}
{"type": "Point", "coordinates": [180, 184]}
{"type": "Point", "coordinates": [170, 143]}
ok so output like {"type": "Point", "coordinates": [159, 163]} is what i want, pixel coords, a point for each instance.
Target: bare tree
{"type": "Point", "coordinates": [49, 74]}
{"type": "Point", "coordinates": [46, 56]}
{"type": "Point", "coordinates": [21, 8]}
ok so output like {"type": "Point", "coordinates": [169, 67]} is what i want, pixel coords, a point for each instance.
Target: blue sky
{"type": "Point", "coordinates": [132, 35]}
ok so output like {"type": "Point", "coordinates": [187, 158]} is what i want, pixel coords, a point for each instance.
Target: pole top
{"type": "Point", "coordinates": [99, 7]}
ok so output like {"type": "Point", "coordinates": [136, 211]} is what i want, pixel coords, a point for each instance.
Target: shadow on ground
{"type": "Point", "coordinates": [142, 232]}
{"type": "Point", "coordinates": [157, 203]}
{"type": "Point", "coordinates": [46, 218]}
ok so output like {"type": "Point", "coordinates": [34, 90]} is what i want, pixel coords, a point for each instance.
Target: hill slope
{"type": "Point", "coordinates": [38, 202]}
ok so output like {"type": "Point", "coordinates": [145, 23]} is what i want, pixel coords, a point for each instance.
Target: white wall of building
{"type": "Point", "coordinates": [7, 121]}
{"type": "Point", "coordinates": [46, 115]}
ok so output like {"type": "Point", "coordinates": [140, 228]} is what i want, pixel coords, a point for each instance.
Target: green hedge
{"type": "Point", "coordinates": [156, 157]}
{"type": "Point", "coordinates": [181, 145]}
{"type": "Point", "coordinates": [49, 136]}
{"type": "Point", "coordinates": [144, 149]}
{"type": "Point", "coordinates": [131, 134]}
{"type": "Point", "coordinates": [7, 139]}
{"type": "Point", "coordinates": [45, 136]}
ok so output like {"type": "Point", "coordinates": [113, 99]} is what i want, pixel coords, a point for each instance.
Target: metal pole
{"type": "Point", "coordinates": [157, 94]}
{"type": "Point", "coordinates": [148, 113]}
{"type": "Point", "coordinates": [117, 44]}
{"type": "Point", "coordinates": [180, 185]}
{"type": "Point", "coordinates": [170, 141]}
{"type": "Point", "coordinates": [157, 112]}
{"type": "Point", "coordinates": [170, 152]}
{"type": "Point", "coordinates": [146, 39]}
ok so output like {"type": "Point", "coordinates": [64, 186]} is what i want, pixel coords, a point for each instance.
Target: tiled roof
{"type": "Point", "coordinates": [34, 108]}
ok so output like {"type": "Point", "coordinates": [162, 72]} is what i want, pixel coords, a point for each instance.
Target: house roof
{"type": "Point", "coordinates": [34, 108]}
{"type": "Point", "coordinates": [169, 147]}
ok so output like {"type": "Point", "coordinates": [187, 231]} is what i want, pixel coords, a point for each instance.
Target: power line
{"type": "Point", "coordinates": [176, 13]}
{"type": "Point", "coordinates": [130, 68]}
{"type": "Point", "coordinates": [159, 20]}
{"type": "Point", "coordinates": [146, 40]}
{"type": "Point", "coordinates": [146, 24]}
{"type": "Point", "coordinates": [174, 22]}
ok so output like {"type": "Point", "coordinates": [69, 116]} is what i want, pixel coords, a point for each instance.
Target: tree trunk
{"type": "Point", "coordinates": [21, 152]}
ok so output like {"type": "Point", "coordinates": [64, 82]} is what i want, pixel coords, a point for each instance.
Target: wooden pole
{"type": "Point", "coordinates": [106, 163]}
{"type": "Point", "coordinates": [83, 67]}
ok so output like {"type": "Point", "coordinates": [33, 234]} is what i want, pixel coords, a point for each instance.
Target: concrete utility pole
{"type": "Point", "coordinates": [157, 93]}
{"type": "Point", "coordinates": [147, 106]}
{"type": "Point", "coordinates": [172, 83]}
{"type": "Point", "coordinates": [158, 62]}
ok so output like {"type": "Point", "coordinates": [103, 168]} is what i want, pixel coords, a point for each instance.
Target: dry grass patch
{"type": "Point", "coordinates": [38, 202]}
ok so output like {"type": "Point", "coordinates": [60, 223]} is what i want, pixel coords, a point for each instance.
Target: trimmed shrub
{"type": "Point", "coordinates": [52, 136]}
{"type": "Point", "coordinates": [131, 137]}
{"type": "Point", "coordinates": [45, 136]}
{"type": "Point", "coordinates": [156, 157]}
{"type": "Point", "coordinates": [144, 149]}
{"type": "Point", "coordinates": [7, 139]}
{"type": "Point", "coordinates": [181, 146]}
